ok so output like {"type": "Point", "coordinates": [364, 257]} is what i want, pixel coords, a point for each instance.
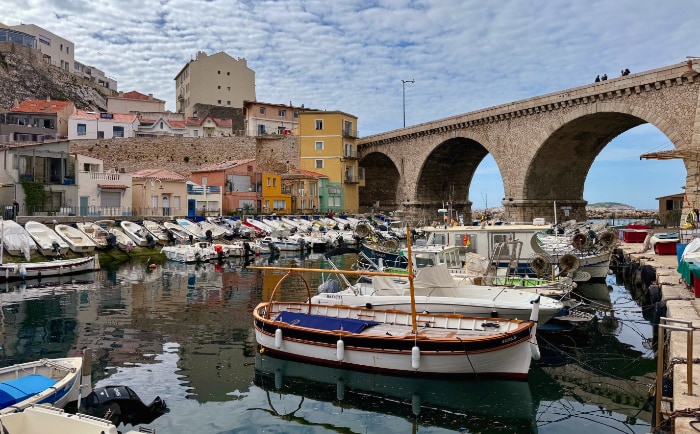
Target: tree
{"type": "Point", "coordinates": [34, 194]}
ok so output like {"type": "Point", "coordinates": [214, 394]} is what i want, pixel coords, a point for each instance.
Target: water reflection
{"type": "Point", "coordinates": [184, 332]}
{"type": "Point", "coordinates": [473, 406]}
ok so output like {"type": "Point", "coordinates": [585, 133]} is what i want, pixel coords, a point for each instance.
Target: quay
{"type": "Point", "coordinates": [681, 305]}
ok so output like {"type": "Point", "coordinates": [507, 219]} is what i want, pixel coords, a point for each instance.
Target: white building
{"type": "Point", "coordinates": [101, 192]}
{"type": "Point", "coordinates": [55, 50]}
{"type": "Point", "coordinates": [93, 125]}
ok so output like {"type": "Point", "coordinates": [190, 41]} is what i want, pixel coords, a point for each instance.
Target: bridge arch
{"type": "Point", "coordinates": [559, 166]}
{"type": "Point", "coordinates": [382, 182]}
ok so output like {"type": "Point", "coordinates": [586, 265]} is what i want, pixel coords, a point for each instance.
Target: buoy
{"type": "Point", "coordinates": [340, 350]}
{"type": "Point", "coordinates": [152, 266]}
{"type": "Point", "coordinates": [278, 338]}
{"type": "Point", "coordinates": [262, 350]}
{"type": "Point", "coordinates": [415, 358]}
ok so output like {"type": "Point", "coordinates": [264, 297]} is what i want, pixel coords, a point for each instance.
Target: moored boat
{"type": "Point", "coordinates": [158, 231]}
{"type": "Point", "coordinates": [48, 242]}
{"type": "Point", "coordinates": [16, 240]}
{"type": "Point", "coordinates": [44, 381]}
{"type": "Point", "coordinates": [189, 253]}
{"type": "Point", "coordinates": [77, 240]}
{"type": "Point", "coordinates": [137, 233]}
{"type": "Point", "coordinates": [95, 232]}
{"type": "Point", "coordinates": [59, 267]}
{"type": "Point", "coordinates": [395, 342]}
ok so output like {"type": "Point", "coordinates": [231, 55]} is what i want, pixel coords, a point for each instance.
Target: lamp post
{"type": "Point", "coordinates": [403, 84]}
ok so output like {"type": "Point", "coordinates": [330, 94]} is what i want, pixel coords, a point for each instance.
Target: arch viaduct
{"type": "Point", "coordinates": [543, 146]}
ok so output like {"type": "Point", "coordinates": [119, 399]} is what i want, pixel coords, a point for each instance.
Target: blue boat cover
{"type": "Point", "coordinates": [321, 322]}
{"type": "Point", "coordinates": [14, 391]}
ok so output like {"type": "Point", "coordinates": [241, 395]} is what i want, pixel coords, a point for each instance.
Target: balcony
{"type": "Point", "coordinates": [350, 155]}
{"type": "Point", "coordinates": [350, 133]}
{"type": "Point", "coordinates": [351, 179]}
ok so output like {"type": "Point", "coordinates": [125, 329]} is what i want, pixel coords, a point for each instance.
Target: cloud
{"type": "Point", "coordinates": [352, 55]}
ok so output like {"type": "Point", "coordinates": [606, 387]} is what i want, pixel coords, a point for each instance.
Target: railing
{"type": "Point", "coordinates": [103, 176]}
{"type": "Point", "coordinates": [351, 155]}
{"type": "Point", "coordinates": [351, 179]}
{"type": "Point", "coordinates": [95, 211]}
{"type": "Point", "coordinates": [350, 133]}
{"type": "Point", "coordinates": [687, 327]}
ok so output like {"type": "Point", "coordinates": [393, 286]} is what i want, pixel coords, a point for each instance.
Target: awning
{"type": "Point", "coordinates": [113, 186]}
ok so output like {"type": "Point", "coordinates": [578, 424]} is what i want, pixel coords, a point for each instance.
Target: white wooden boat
{"type": "Point", "coordinates": [395, 342]}
{"type": "Point", "coordinates": [189, 253]}
{"type": "Point", "coordinates": [437, 292]}
{"type": "Point", "coordinates": [47, 241]}
{"type": "Point", "coordinates": [77, 240]}
{"type": "Point", "coordinates": [136, 232]}
{"type": "Point", "coordinates": [157, 231]}
{"type": "Point", "coordinates": [42, 419]}
{"type": "Point", "coordinates": [44, 381]}
{"type": "Point", "coordinates": [122, 240]}
{"type": "Point", "coordinates": [180, 233]}
{"type": "Point", "coordinates": [95, 232]}
{"type": "Point", "coordinates": [27, 270]}
{"type": "Point", "coordinates": [16, 240]}
{"type": "Point", "coordinates": [194, 228]}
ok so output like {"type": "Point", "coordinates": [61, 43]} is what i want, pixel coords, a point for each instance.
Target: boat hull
{"type": "Point", "coordinates": [26, 270]}
{"type": "Point", "coordinates": [449, 352]}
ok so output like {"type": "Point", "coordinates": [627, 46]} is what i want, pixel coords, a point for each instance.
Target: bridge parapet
{"type": "Point", "coordinates": [647, 81]}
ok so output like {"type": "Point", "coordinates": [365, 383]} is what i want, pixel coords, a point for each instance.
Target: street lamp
{"type": "Point", "coordinates": [403, 84]}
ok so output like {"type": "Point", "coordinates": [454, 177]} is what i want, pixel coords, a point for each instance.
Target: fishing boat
{"type": "Point", "coordinates": [95, 232]}
{"type": "Point", "coordinates": [157, 231]}
{"type": "Point", "coordinates": [137, 233]}
{"type": "Point", "coordinates": [394, 342]}
{"type": "Point", "coordinates": [44, 381]}
{"type": "Point", "coordinates": [59, 267]}
{"type": "Point", "coordinates": [17, 240]}
{"type": "Point", "coordinates": [47, 241]}
{"type": "Point", "coordinates": [195, 229]}
{"type": "Point", "coordinates": [77, 240]}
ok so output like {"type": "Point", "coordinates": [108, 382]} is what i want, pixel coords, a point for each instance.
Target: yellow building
{"type": "Point", "coordinates": [328, 145]}
{"type": "Point", "coordinates": [274, 201]}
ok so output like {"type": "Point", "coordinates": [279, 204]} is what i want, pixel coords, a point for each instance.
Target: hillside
{"type": "Point", "coordinates": [610, 205]}
{"type": "Point", "coordinates": [24, 76]}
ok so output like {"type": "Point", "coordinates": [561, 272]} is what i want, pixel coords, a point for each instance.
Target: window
{"type": "Point", "coordinates": [319, 164]}
{"type": "Point", "coordinates": [176, 202]}
{"type": "Point", "coordinates": [262, 110]}
{"type": "Point", "coordinates": [218, 72]}
{"type": "Point", "coordinates": [348, 150]}
{"type": "Point", "coordinates": [296, 115]}
{"type": "Point", "coordinates": [195, 133]}
{"type": "Point", "coordinates": [319, 146]}
{"type": "Point", "coordinates": [228, 88]}
{"type": "Point", "coordinates": [68, 50]}
{"type": "Point", "coordinates": [319, 124]}
{"type": "Point", "coordinates": [282, 113]}
{"type": "Point", "coordinates": [82, 129]}
{"type": "Point", "coordinates": [228, 102]}
{"type": "Point", "coordinates": [117, 131]}
{"type": "Point", "coordinates": [228, 73]}
{"type": "Point", "coordinates": [161, 125]}
{"type": "Point", "coordinates": [204, 180]}
{"type": "Point", "coordinates": [269, 182]}
{"type": "Point", "coordinates": [274, 182]}
{"type": "Point", "coordinates": [312, 188]}
{"type": "Point", "coordinates": [279, 204]}
{"type": "Point", "coordinates": [218, 101]}
{"type": "Point", "coordinates": [218, 87]}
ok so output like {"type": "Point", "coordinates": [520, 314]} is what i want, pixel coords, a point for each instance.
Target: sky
{"type": "Point", "coordinates": [352, 55]}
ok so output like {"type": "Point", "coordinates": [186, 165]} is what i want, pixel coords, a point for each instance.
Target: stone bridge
{"type": "Point", "coordinates": [543, 146]}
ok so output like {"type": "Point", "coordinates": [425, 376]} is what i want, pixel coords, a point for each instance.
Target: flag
{"type": "Point", "coordinates": [686, 199]}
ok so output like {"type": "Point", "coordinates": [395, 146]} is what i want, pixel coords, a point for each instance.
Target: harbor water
{"type": "Point", "coordinates": [184, 333]}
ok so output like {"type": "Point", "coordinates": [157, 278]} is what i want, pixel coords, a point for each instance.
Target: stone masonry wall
{"type": "Point", "coordinates": [183, 154]}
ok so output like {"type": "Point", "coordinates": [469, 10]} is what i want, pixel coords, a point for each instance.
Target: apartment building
{"type": "Point", "coordinates": [134, 102]}
{"type": "Point", "coordinates": [55, 50]}
{"type": "Point", "coordinates": [328, 145]}
{"type": "Point", "coordinates": [37, 120]}
{"type": "Point", "coordinates": [218, 80]}
{"type": "Point", "coordinates": [303, 186]}
{"type": "Point", "coordinates": [93, 125]}
{"type": "Point", "coordinates": [158, 192]}
{"type": "Point", "coordinates": [264, 118]}
{"type": "Point", "coordinates": [241, 182]}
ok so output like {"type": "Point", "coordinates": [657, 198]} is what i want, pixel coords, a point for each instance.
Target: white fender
{"type": "Point", "coordinates": [415, 358]}
{"type": "Point", "coordinates": [534, 347]}
{"type": "Point", "coordinates": [22, 271]}
{"type": "Point", "coordinates": [278, 338]}
{"type": "Point", "coordinates": [340, 350]}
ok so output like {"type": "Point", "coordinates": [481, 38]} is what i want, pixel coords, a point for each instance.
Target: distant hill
{"type": "Point", "coordinates": [615, 205]}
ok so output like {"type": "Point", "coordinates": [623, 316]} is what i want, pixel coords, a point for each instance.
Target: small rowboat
{"type": "Point", "coordinates": [26, 270]}
{"type": "Point", "coordinates": [48, 242]}
{"type": "Point", "coordinates": [77, 240]}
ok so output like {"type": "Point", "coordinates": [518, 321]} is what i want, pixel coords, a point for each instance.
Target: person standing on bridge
{"type": "Point", "coordinates": [604, 77]}
{"type": "Point", "coordinates": [597, 78]}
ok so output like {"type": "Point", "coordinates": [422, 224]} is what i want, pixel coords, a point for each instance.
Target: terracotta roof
{"type": "Point", "coordinates": [117, 117]}
{"type": "Point", "coordinates": [305, 173]}
{"type": "Point", "coordinates": [162, 174]}
{"type": "Point", "coordinates": [113, 186]}
{"type": "Point", "coordinates": [177, 124]}
{"type": "Point", "coordinates": [138, 96]}
{"type": "Point", "coordinates": [218, 121]}
{"type": "Point", "coordinates": [41, 106]}
{"type": "Point", "coordinates": [223, 165]}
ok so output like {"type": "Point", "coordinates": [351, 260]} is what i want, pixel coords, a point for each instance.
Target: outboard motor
{"type": "Point", "coordinates": [56, 248]}
{"type": "Point", "coordinates": [120, 404]}
{"type": "Point", "coordinates": [150, 240]}
{"type": "Point", "coordinates": [208, 235]}
{"type": "Point", "coordinates": [111, 240]}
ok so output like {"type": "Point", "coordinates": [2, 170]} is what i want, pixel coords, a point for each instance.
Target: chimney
{"type": "Point", "coordinates": [150, 97]}
{"type": "Point", "coordinates": [48, 98]}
